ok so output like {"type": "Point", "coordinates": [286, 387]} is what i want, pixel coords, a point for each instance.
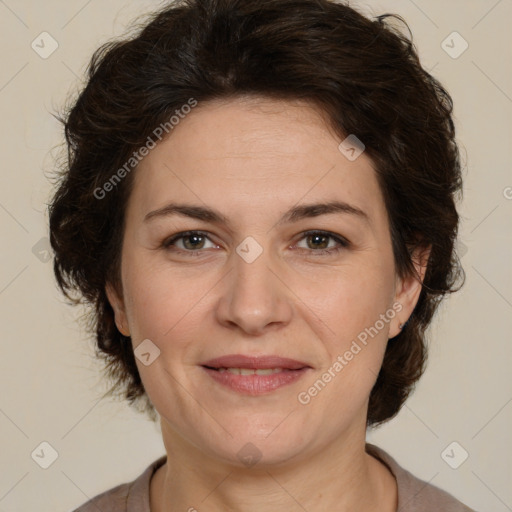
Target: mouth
{"type": "Point", "coordinates": [254, 375]}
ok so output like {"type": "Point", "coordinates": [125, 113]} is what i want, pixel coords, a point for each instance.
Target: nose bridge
{"type": "Point", "coordinates": [254, 297]}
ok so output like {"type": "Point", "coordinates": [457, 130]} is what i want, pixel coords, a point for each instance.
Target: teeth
{"type": "Point", "coordinates": [248, 371]}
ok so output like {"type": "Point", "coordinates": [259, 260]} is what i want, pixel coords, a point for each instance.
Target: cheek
{"type": "Point", "coordinates": [355, 309]}
{"type": "Point", "coordinates": [162, 301]}
{"type": "Point", "coordinates": [162, 298]}
{"type": "Point", "coordinates": [348, 299]}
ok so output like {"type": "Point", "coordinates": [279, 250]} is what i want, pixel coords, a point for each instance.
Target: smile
{"type": "Point", "coordinates": [249, 371]}
{"type": "Point", "coordinates": [254, 375]}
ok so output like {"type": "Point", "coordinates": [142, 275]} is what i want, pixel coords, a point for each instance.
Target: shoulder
{"type": "Point", "coordinates": [415, 495]}
{"type": "Point", "coordinates": [114, 500]}
{"type": "Point", "coordinates": [127, 497]}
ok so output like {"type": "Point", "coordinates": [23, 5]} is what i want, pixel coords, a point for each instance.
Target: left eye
{"type": "Point", "coordinates": [317, 241]}
{"type": "Point", "coordinates": [196, 239]}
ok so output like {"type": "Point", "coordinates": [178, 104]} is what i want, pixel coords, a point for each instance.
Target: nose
{"type": "Point", "coordinates": [255, 296]}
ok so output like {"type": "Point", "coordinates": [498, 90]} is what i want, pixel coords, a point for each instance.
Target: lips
{"type": "Point", "coordinates": [254, 375]}
{"type": "Point", "coordinates": [255, 363]}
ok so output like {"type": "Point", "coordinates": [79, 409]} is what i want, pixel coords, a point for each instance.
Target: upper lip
{"type": "Point", "coordinates": [255, 362]}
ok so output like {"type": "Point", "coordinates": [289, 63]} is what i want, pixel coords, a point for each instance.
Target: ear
{"type": "Point", "coordinates": [408, 289]}
{"type": "Point", "coordinates": [117, 303]}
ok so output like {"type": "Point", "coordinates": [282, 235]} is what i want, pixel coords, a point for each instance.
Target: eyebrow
{"type": "Point", "coordinates": [294, 214]}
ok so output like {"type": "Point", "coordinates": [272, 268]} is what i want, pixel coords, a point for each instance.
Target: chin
{"type": "Point", "coordinates": [260, 444]}
{"type": "Point", "coordinates": [256, 454]}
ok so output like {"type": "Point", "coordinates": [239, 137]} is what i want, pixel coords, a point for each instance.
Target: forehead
{"type": "Point", "coordinates": [253, 153]}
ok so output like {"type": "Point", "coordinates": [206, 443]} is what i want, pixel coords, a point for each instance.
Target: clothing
{"type": "Point", "coordinates": [414, 495]}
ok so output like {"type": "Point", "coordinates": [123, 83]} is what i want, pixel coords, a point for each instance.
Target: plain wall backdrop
{"type": "Point", "coordinates": [51, 383]}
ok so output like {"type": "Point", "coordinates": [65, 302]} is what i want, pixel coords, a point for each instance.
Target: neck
{"type": "Point", "coordinates": [342, 477]}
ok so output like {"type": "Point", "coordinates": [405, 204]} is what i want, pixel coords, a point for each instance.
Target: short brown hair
{"type": "Point", "coordinates": [363, 73]}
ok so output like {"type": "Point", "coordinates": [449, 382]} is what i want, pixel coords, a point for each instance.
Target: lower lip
{"type": "Point", "coordinates": [256, 384]}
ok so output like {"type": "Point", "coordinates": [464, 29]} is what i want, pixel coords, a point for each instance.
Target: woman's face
{"type": "Point", "coordinates": [311, 312]}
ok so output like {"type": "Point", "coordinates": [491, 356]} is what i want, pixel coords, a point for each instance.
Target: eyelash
{"type": "Point", "coordinates": [343, 243]}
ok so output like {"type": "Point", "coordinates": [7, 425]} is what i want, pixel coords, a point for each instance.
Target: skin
{"type": "Point", "coordinates": [252, 159]}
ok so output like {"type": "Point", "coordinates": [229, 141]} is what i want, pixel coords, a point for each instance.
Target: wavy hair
{"type": "Point", "coordinates": [363, 73]}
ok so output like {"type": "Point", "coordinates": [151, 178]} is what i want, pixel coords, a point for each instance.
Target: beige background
{"type": "Point", "coordinates": [51, 383]}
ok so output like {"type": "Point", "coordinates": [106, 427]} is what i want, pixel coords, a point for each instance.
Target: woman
{"type": "Point", "coordinates": [259, 204]}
